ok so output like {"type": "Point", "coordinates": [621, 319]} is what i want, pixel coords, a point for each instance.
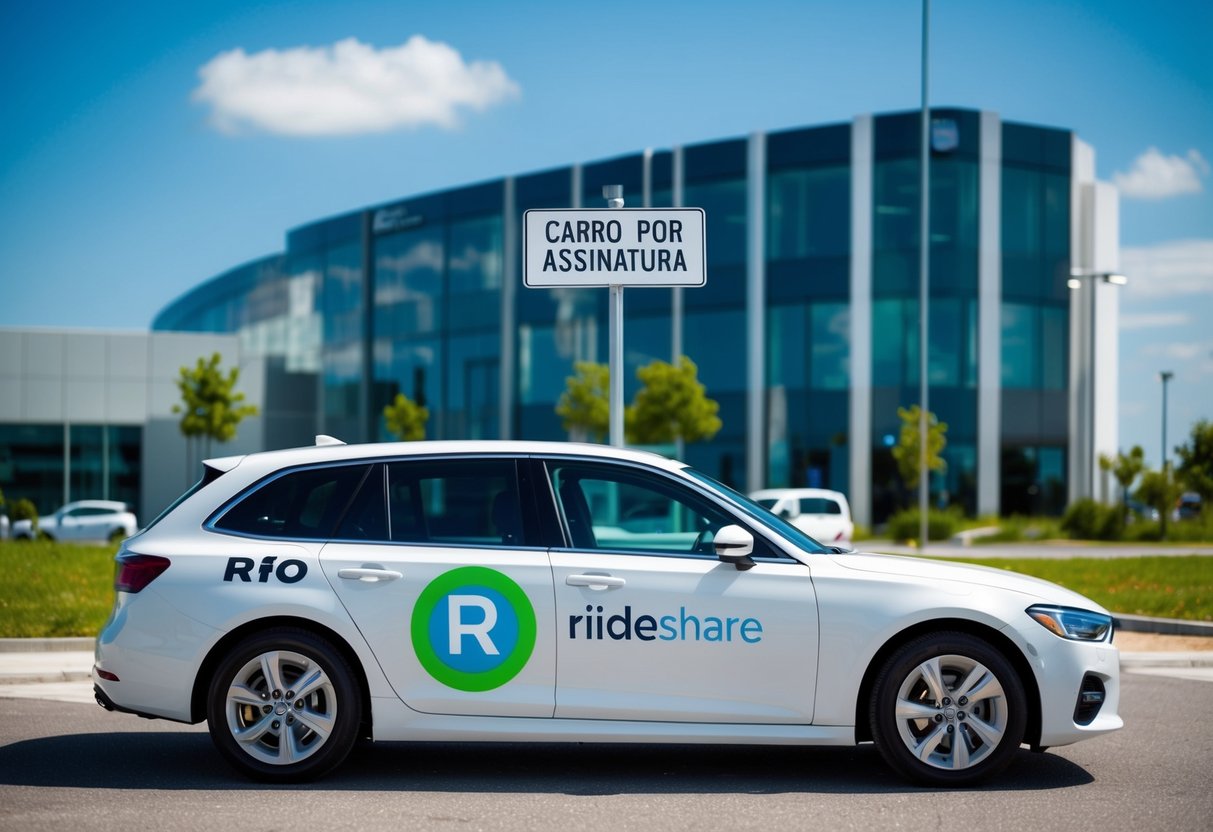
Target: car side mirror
{"type": "Point", "coordinates": [734, 545]}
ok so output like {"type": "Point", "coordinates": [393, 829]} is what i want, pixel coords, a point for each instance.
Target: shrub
{"type": "Point", "coordinates": [23, 509]}
{"type": "Point", "coordinates": [940, 524]}
{"type": "Point", "coordinates": [1087, 519]}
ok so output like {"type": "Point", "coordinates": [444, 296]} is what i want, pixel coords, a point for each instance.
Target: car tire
{"type": "Point", "coordinates": [926, 721]}
{"type": "Point", "coordinates": [266, 728]}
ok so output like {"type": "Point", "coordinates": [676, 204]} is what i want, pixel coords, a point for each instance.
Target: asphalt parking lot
{"type": "Point", "coordinates": [70, 764]}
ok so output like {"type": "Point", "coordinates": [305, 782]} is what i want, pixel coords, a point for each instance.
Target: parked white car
{"type": "Point", "coordinates": [86, 520]}
{"type": "Point", "coordinates": [822, 514]}
{"type": "Point", "coordinates": [298, 600]}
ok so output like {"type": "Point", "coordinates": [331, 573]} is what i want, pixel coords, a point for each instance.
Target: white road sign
{"type": "Point", "coordinates": [614, 247]}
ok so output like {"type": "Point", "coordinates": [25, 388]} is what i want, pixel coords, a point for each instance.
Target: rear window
{"type": "Point", "coordinates": [209, 475]}
{"type": "Point", "coordinates": [299, 504]}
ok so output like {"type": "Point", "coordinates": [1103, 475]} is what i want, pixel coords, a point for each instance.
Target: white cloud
{"type": "Point", "coordinates": [348, 88]}
{"type": "Point", "coordinates": [1155, 176]}
{"type": "Point", "coordinates": [1182, 267]}
{"type": "Point", "coordinates": [1154, 320]}
{"type": "Point", "coordinates": [1179, 351]}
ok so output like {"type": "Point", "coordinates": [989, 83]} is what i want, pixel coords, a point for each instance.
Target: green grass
{"type": "Point", "coordinates": [56, 589]}
{"type": "Point", "coordinates": [53, 590]}
{"type": "Point", "coordinates": [1164, 587]}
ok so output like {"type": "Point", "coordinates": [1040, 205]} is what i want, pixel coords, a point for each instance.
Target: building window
{"type": "Point", "coordinates": [808, 213]}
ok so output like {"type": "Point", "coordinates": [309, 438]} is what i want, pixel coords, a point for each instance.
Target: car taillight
{"type": "Point", "coordinates": [134, 572]}
{"type": "Point", "coordinates": [838, 537]}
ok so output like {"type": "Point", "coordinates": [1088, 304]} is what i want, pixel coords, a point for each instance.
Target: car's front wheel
{"type": "Point", "coordinates": [284, 706]}
{"type": "Point", "coordinates": [948, 709]}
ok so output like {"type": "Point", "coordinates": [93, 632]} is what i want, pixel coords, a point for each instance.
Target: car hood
{"type": "Point", "coordinates": [966, 573]}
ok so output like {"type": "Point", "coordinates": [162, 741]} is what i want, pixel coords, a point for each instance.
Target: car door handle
{"type": "Point", "coordinates": [369, 575]}
{"type": "Point", "coordinates": [595, 581]}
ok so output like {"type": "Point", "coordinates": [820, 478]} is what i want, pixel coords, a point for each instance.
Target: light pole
{"type": "Point", "coordinates": [924, 266]}
{"type": "Point", "coordinates": [1164, 376]}
{"type": "Point", "coordinates": [1085, 437]}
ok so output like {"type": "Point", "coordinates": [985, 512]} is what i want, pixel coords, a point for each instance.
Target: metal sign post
{"type": "Point", "coordinates": [613, 194]}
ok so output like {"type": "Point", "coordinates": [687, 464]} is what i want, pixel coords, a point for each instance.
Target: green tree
{"type": "Point", "coordinates": [1126, 467]}
{"type": "Point", "coordinates": [672, 405]}
{"type": "Point", "coordinates": [1159, 490]}
{"type": "Point", "coordinates": [24, 509]}
{"type": "Point", "coordinates": [406, 419]}
{"type": "Point", "coordinates": [584, 407]}
{"type": "Point", "coordinates": [1195, 469]}
{"type": "Point", "coordinates": [907, 453]}
{"type": "Point", "coordinates": [210, 408]}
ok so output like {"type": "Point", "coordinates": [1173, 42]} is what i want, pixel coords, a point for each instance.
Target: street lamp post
{"type": "Point", "coordinates": [1164, 376]}
{"type": "Point", "coordinates": [1084, 405]}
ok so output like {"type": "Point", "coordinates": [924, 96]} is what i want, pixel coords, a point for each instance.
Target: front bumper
{"type": "Point", "coordinates": [1066, 674]}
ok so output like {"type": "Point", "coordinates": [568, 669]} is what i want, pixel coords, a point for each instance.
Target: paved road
{"type": "Point", "coordinates": [70, 765]}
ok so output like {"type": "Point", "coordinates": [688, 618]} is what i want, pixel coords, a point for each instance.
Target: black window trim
{"type": "Point", "coordinates": [209, 524]}
{"type": "Point", "coordinates": [526, 495]}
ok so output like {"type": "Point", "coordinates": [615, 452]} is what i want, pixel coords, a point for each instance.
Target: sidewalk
{"type": "Point", "coordinates": [1144, 643]}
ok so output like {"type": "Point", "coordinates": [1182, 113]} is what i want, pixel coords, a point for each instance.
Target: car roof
{"type": "Point", "coordinates": [779, 493]}
{"type": "Point", "coordinates": [334, 452]}
{"type": "Point", "coordinates": [116, 505]}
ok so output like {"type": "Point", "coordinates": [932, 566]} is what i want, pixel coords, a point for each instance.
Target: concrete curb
{"type": "Point", "coordinates": [47, 645]}
{"type": "Point", "coordinates": [1201, 659]}
{"type": "Point", "coordinates": [1162, 626]}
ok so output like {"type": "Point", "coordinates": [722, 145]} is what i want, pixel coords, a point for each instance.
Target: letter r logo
{"type": "Point", "coordinates": [473, 628]}
{"type": "Point", "coordinates": [459, 626]}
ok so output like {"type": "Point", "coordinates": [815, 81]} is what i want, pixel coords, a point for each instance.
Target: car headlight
{"type": "Point", "coordinates": [1074, 624]}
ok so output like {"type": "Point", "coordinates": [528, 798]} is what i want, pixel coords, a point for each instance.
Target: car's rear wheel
{"type": "Point", "coordinates": [948, 709]}
{"type": "Point", "coordinates": [284, 706]}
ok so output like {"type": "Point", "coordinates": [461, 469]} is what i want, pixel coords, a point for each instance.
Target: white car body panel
{"type": "Point", "coordinates": [680, 675]}
{"type": "Point", "coordinates": [825, 619]}
{"type": "Point", "coordinates": [381, 611]}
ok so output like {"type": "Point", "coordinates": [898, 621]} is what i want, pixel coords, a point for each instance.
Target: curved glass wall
{"type": "Point", "coordinates": [412, 298]}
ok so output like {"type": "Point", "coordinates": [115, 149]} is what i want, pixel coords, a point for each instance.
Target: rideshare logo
{"type": "Point", "coordinates": [473, 629]}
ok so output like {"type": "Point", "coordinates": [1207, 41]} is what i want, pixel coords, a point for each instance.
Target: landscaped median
{"type": "Point", "coordinates": [55, 590]}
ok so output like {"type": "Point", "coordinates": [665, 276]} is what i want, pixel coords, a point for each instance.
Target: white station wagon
{"type": "Point", "coordinates": [520, 591]}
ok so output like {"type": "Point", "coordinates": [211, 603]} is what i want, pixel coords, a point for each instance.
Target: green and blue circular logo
{"type": "Point", "coordinates": [473, 629]}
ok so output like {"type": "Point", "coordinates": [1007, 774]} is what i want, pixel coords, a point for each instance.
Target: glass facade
{"type": "Point", "coordinates": [413, 297]}
{"type": "Point", "coordinates": [1035, 234]}
{"type": "Point", "coordinates": [952, 349]}
{"type": "Point", "coordinates": [53, 464]}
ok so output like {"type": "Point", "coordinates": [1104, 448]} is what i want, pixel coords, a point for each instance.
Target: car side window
{"type": "Point", "coordinates": [303, 504]}
{"type": "Point", "coordinates": [619, 509]}
{"type": "Point", "coordinates": [366, 518]}
{"type": "Point", "coordinates": [819, 505]}
{"type": "Point", "coordinates": [455, 502]}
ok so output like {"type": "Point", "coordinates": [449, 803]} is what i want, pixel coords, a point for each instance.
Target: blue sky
{"type": "Point", "coordinates": [125, 179]}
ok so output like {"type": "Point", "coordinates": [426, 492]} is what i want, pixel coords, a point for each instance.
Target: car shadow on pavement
{"type": "Point", "coordinates": [188, 761]}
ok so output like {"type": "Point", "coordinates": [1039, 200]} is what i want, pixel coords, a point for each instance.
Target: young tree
{"type": "Point", "coordinates": [907, 452]}
{"type": "Point", "coordinates": [406, 419]}
{"type": "Point", "coordinates": [1126, 467]}
{"type": "Point", "coordinates": [1159, 490]}
{"type": "Point", "coordinates": [1195, 469]}
{"type": "Point", "coordinates": [210, 408]}
{"type": "Point", "coordinates": [671, 406]}
{"type": "Point", "coordinates": [584, 406]}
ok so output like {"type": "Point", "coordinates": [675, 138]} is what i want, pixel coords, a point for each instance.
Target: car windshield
{"type": "Point", "coordinates": [761, 514]}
